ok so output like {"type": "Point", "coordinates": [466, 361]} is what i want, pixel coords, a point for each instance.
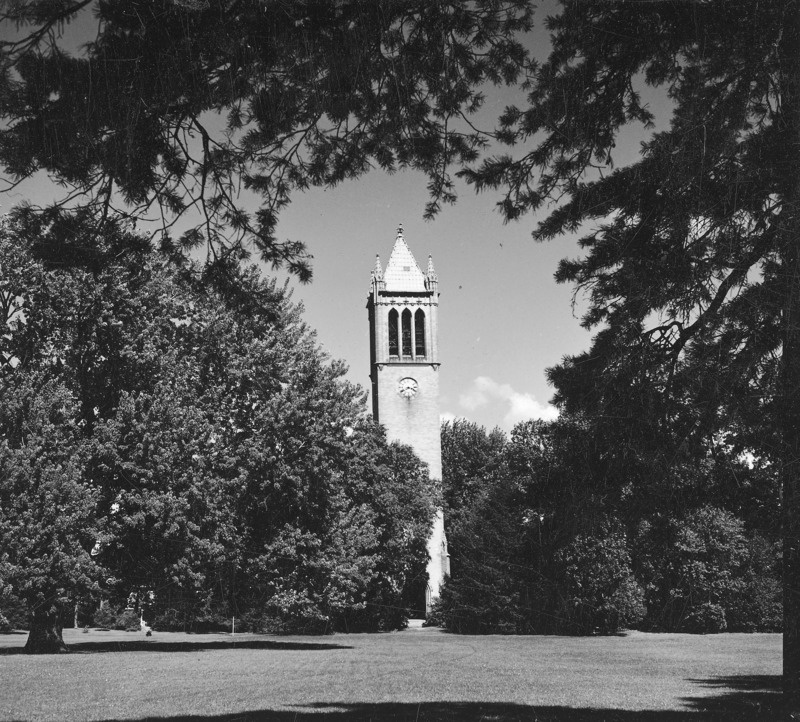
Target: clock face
{"type": "Point", "coordinates": [407, 387]}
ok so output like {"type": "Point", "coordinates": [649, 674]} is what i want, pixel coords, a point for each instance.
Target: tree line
{"type": "Point", "coordinates": [564, 528]}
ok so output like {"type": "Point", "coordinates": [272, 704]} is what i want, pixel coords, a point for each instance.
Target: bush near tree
{"type": "Point", "coordinates": [13, 609]}
{"type": "Point", "coordinates": [112, 617]}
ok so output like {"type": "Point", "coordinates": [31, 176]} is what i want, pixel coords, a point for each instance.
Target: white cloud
{"type": "Point", "coordinates": [520, 406]}
{"type": "Point", "coordinates": [446, 416]}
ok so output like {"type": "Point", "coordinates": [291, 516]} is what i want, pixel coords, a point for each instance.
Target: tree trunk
{"type": "Point", "coordinates": [789, 221]}
{"type": "Point", "coordinates": [45, 634]}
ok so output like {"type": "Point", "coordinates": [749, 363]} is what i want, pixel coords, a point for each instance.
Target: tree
{"type": "Point", "coordinates": [491, 585]}
{"type": "Point", "coordinates": [600, 590]}
{"type": "Point", "coordinates": [47, 519]}
{"type": "Point", "coordinates": [691, 263]}
{"type": "Point", "coordinates": [177, 105]}
{"type": "Point", "coordinates": [537, 550]}
{"type": "Point", "coordinates": [471, 460]}
{"type": "Point", "coordinates": [191, 440]}
{"type": "Point", "coordinates": [564, 530]}
{"type": "Point", "coordinates": [703, 573]}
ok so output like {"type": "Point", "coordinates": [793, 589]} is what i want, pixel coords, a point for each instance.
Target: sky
{"type": "Point", "coordinates": [503, 319]}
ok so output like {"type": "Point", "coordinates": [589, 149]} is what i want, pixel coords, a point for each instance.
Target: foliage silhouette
{"type": "Point", "coordinates": [174, 106]}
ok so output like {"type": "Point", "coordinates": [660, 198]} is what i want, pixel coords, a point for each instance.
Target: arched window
{"type": "Point", "coordinates": [419, 333]}
{"type": "Point", "coordinates": [394, 346]}
{"type": "Point", "coordinates": [406, 318]}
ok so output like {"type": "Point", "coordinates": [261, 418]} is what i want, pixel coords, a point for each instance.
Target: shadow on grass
{"type": "Point", "coordinates": [740, 699]}
{"type": "Point", "coordinates": [759, 694]}
{"type": "Point", "coordinates": [472, 712]}
{"type": "Point", "coordinates": [142, 645]}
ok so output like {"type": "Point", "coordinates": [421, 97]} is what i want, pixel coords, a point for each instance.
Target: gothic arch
{"type": "Point", "coordinates": [419, 334]}
{"type": "Point", "coordinates": [394, 337]}
{"type": "Point", "coordinates": [405, 320]}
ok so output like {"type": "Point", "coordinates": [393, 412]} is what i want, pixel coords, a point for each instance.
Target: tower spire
{"type": "Point", "coordinates": [402, 272]}
{"type": "Point", "coordinates": [431, 279]}
{"type": "Point", "coordinates": [431, 272]}
{"type": "Point", "coordinates": [376, 284]}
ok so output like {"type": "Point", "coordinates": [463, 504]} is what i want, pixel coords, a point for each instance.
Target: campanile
{"type": "Point", "coordinates": [403, 308]}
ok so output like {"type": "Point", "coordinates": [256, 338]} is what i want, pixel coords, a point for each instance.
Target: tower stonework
{"type": "Point", "coordinates": [403, 308]}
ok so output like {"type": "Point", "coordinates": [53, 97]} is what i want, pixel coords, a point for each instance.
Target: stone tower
{"type": "Point", "coordinates": [403, 310]}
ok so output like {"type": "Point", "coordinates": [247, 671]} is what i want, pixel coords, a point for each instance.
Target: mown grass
{"type": "Point", "coordinates": [411, 675]}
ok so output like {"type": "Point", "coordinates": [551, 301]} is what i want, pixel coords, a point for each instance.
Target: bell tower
{"type": "Point", "coordinates": [403, 308]}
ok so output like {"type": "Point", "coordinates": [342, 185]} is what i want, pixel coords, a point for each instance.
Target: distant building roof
{"type": "Point", "coordinates": [402, 272]}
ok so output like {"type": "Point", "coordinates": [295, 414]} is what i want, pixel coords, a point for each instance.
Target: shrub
{"type": "Point", "coordinates": [312, 625]}
{"type": "Point", "coordinates": [755, 604]}
{"type": "Point", "coordinates": [106, 616]}
{"type": "Point", "coordinates": [5, 625]}
{"type": "Point", "coordinates": [169, 620]}
{"type": "Point", "coordinates": [190, 619]}
{"type": "Point", "coordinates": [755, 601]}
{"type": "Point", "coordinates": [602, 595]}
{"type": "Point", "coordinates": [470, 605]}
{"type": "Point", "coordinates": [110, 617]}
{"type": "Point", "coordinates": [129, 621]}
{"type": "Point", "coordinates": [208, 621]}
{"type": "Point", "coordinates": [705, 618]}
{"type": "Point", "coordinates": [258, 621]}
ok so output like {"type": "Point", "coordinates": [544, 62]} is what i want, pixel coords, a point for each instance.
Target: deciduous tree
{"type": "Point", "coordinates": [471, 460]}
{"type": "Point", "coordinates": [196, 442]}
{"type": "Point", "coordinates": [47, 510]}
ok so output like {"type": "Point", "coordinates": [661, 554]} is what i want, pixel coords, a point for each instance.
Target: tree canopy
{"type": "Point", "coordinates": [158, 434]}
{"type": "Point", "coordinates": [174, 107]}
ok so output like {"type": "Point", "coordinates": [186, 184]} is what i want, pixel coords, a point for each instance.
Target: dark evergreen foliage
{"type": "Point", "coordinates": [690, 255]}
{"type": "Point", "coordinates": [177, 105]}
{"type": "Point", "coordinates": [528, 534]}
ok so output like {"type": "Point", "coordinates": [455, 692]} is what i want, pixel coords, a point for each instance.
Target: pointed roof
{"type": "Point", "coordinates": [402, 272]}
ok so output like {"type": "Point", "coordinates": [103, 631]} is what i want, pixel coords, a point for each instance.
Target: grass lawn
{"type": "Point", "coordinates": [412, 675]}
